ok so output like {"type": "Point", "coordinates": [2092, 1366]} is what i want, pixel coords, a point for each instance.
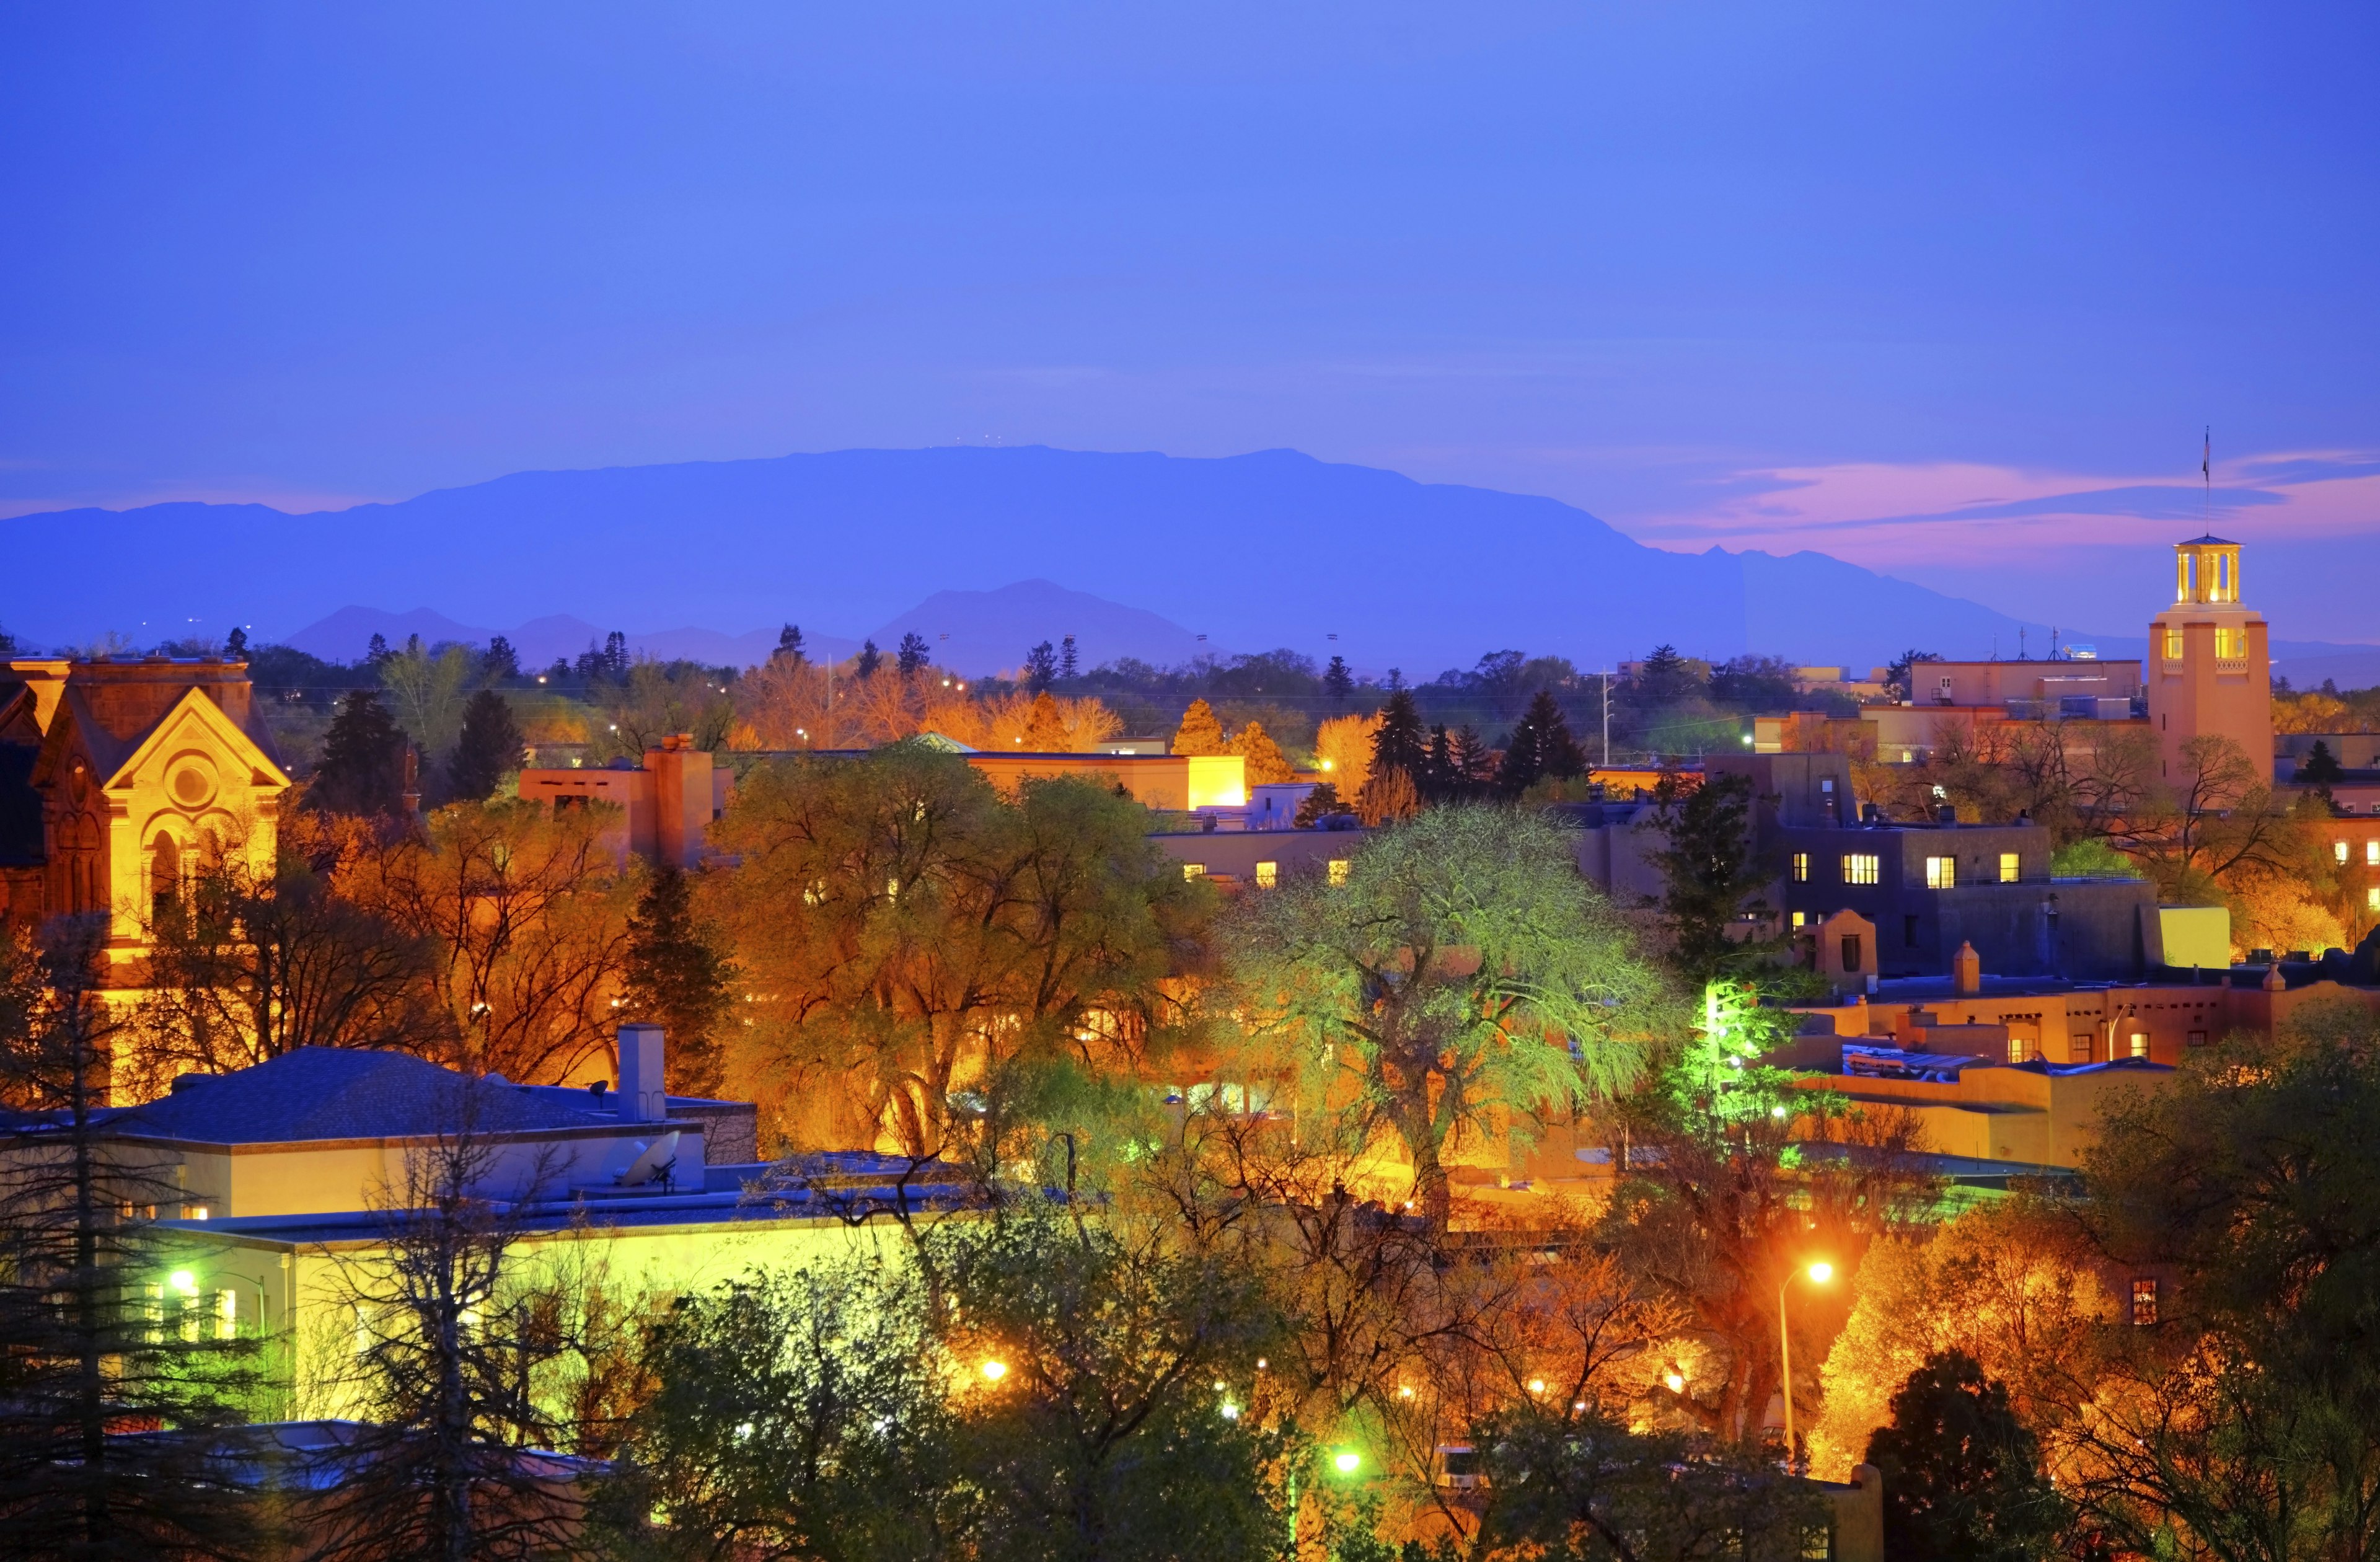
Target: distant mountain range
{"type": "Point", "coordinates": [1149, 552]}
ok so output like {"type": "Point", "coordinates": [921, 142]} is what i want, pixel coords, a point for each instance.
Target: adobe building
{"type": "Point", "coordinates": [666, 803]}
{"type": "Point", "coordinates": [117, 776]}
{"type": "Point", "coordinates": [2210, 672]}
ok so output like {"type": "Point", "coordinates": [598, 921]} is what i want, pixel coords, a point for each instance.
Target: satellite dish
{"type": "Point", "coordinates": [659, 1159]}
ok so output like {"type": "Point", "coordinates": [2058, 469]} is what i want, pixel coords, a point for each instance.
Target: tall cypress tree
{"type": "Point", "coordinates": [490, 747]}
{"type": "Point", "coordinates": [362, 769]}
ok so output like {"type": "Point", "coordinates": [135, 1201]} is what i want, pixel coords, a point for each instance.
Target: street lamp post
{"type": "Point", "coordinates": [1819, 1274]}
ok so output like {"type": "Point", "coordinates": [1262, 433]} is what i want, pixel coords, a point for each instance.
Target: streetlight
{"type": "Point", "coordinates": [994, 1369]}
{"type": "Point", "coordinates": [1819, 1274]}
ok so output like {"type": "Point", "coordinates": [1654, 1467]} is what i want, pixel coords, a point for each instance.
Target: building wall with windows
{"type": "Point", "coordinates": [2209, 671]}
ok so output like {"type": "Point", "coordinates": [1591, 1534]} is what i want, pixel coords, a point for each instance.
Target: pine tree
{"type": "Point", "coordinates": [491, 748]}
{"type": "Point", "coordinates": [1267, 765]}
{"type": "Point", "coordinates": [1440, 783]}
{"type": "Point", "coordinates": [2320, 767]}
{"type": "Point", "coordinates": [1041, 668]}
{"type": "Point", "coordinates": [1067, 665]}
{"type": "Point", "coordinates": [1474, 762]}
{"type": "Point", "coordinates": [870, 659]}
{"type": "Point", "coordinates": [1541, 747]}
{"type": "Point", "coordinates": [377, 652]}
{"type": "Point", "coordinates": [913, 656]}
{"type": "Point", "coordinates": [676, 980]}
{"type": "Point", "coordinates": [362, 770]}
{"type": "Point", "coordinates": [1200, 732]}
{"type": "Point", "coordinates": [1337, 680]}
{"type": "Point", "coordinates": [236, 643]}
{"type": "Point", "coordinates": [1399, 744]}
{"type": "Point", "coordinates": [101, 1328]}
{"type": "Point", "coordinates": [1396, 680]}
{"type": "Point", "coordinates": [1710, 873]}
{"type": "Point", "coordinates": [789, 644]}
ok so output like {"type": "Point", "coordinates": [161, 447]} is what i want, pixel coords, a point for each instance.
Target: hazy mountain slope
{"type": "Point", "coordinates": [1253, 551]}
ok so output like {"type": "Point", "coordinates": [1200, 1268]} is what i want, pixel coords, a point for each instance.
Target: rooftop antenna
{"type": "Point", "coordinates": [2206, 479]}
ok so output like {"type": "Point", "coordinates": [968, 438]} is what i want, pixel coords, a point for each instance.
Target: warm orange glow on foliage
{"type": "Point", "coordinates": [785, 704]}
{"type": "Point", "coordinates": [1200, 732]}
{"type": "Point", "coordinates": [1266, 764]}
{"type": "Point", "coordinates": [1343, 745]}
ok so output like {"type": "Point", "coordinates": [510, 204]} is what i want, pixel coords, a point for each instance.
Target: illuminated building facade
{"type": "Point", "coordinates": [2209, 671]}
{"type": "Point", "coordinates": [116, 776]}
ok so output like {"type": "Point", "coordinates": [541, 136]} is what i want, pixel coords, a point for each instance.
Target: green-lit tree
{"type": "Point", "coordinates": [490, 747]}
{"type": "Point", "coordinates": [1963, 1477]}
{"type": "Point", "coordinates": [362, 770]}
{"type": "Point", "coordinates": [1461, 971]}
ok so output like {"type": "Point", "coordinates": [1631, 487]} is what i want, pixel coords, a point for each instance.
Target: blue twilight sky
{"type": "Point", "coordinates": [1946, 289]}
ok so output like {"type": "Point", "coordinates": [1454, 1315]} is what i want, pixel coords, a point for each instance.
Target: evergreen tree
{"type": "Point", "coordinates": [913, 656]}
{"type": "Point", "coordinates": [1396, 680]}
{"type": "Point", "coordinates": [1067, 665]}
{"type": "Point", "coordinates": [1041, 668]}
{"type": "Point", "coordinates": [1265, 763]}
{"type": "Point", "coordinates": [1899, 678]}
{"type": "Point", "coordinates": [1962, 1476]}
{"type": "Point", "coordinates": [236, 643]}
{"type": "Point", "coordinates": [1318, 804]}
{"type": "Point", "coordinates": [1438, 781]}
{"type": "Point", "coordinates": [501, 661]}
{"type": "Point", "coordinates": [1541, 747]}
{"type": "Point", "coordinates": [103, 1328]}
{"type": "Point", "coordinates": [2320, 767]}
{"type": "Point", "coordinates": [870, 659]}
{"type": "Point", "coordinates": [676, 979]}
{"type": "Point", "coordinates": [490, 747]}
{"type": "Point", "coordinates": [377, 652]}
{"type": "Point", "coordinates": [1200, 732]}
{"type": "Point", "coordinates": [1710, 873]}
{"type": "Point", "coordinates": [1337, 680]}
{"type": "Point", "coordinates": [1399, 744]}
{"type": "Point", "coordinates": [1474, 763]}
{"type": "Point", "coordinates": [1665, 678]}
{"type": "Point", "coordinates": [362, 770]}
{"type": "Point", "coordinates": [789, 644]}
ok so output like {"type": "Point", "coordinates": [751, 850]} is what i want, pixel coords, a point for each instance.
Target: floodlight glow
{"type": "Point", "coordinates": [993, 1370]}
{"type": "Point", "coordinates": [184, 1281]}
{"type": "Point", "coordinates": [1676, 1382]}
{"type": "Point", "coordinates": [1822, 1272]}
{"type": "Point", "coordinates": [1347, 1463]}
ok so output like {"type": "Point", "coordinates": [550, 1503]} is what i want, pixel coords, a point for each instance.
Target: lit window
{"type": "Point", "coordinates": [2082, 1048]}
{"type": "Point", "coordinates": [1819, 1544]}
{"type": "Point", "coordinates": [2173, 643]}
{"type": "Point", "coordinates": [1801, 867]}
{"type": "Point", "coordinates": [2339, 851]}
{"type": "Point", "coordinates": [1268, 874]}
{"type": "Point", "coordinates": [1826, 783]}
{"type": "Point", "coordinates": [2140, 1043]}
{"type": "Point", "coordinates": [2017, 1047]}
{"type": "Point", "coordinates": [2009, 867]}
{"type": "Point", "coordinates": [2371, 898]}
{"type": "Point", "coordinates": [1338, 870]}
{"type": "Point", "coordinates": [2371, 854]}
{"type": "Point", "coordinates": [1941, 872]}
{"type": "Point", "coordinates": [1860, 867]}
{"type": "Point", "coordinates": [2144, 1299]}
{"type": "Point", "coordinates": [2230, 644]}
{"type": "Point", "coordinates": [1194, 869]}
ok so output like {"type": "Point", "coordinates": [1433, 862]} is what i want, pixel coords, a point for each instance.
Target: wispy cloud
{"type": "Point", "coordinates": [1883, 514]}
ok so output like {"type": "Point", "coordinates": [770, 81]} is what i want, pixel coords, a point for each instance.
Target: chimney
{"type": "Point", "coordinates": [643, 1098]}
{"type": "Point", "coordinates": [1967, 971]}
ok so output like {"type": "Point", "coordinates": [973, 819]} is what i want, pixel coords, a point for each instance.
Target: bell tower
{"type": "Point", "coordinates": [2208, 670]}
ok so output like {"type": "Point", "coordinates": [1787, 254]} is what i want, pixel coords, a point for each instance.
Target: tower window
{"type": "Point", "coordinates": [2173, 642]}
{"type": "Point", "coordinates": [2230, 644]}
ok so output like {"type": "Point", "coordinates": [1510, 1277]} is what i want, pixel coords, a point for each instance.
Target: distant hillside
{"type": "Point", "coordinates": [1253, 552]}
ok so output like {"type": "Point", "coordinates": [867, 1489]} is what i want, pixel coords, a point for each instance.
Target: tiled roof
{"type": "Point", "coordinates": [331, 1092]}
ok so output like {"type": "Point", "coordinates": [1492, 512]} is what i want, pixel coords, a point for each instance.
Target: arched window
{"type": "Point", "coordinates": [164, 875]}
